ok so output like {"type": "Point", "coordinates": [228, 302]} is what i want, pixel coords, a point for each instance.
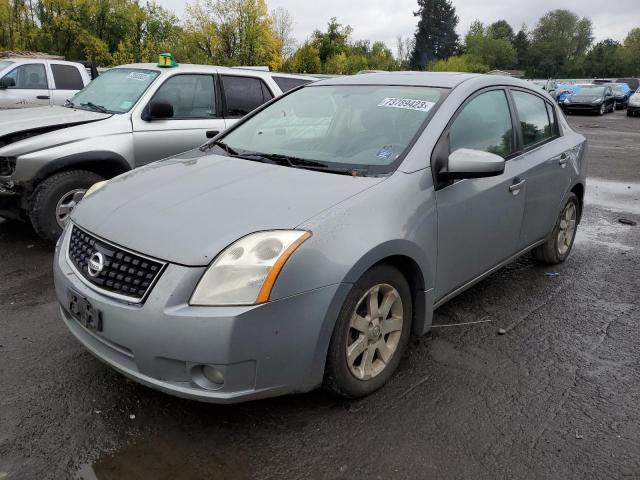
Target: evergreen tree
{"type": "Point", "coordinates": [521, 43]}
{"type": "Point", "coordinates": [435, 37]}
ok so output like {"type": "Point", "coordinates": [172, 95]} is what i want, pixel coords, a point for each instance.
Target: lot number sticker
{"type": "Point", "coordinates": [407, 104]}
{"type": "Point", "coordinates": [141, 77]}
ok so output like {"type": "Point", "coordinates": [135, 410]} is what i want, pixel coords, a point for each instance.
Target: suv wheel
{"type": "Point", "coordinates": [371, 333]}
{"type": "Point", "coordinates": [558, 245]}
{"type": "Point", "coordinates": [55, 198]}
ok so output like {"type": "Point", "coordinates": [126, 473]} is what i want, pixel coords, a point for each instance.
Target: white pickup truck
{"type": "Point", "coordinates": [34, 82]}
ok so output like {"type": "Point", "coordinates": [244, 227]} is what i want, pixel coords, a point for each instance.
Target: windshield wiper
{"type": "Point", "coordinates": [294, 162]}
{"type": "Point", "coordinates": [68, 103]}
{"type": "Point", "coordinates": [98, 108]}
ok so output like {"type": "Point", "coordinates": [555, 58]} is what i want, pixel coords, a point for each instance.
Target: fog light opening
{"type": "Point", "coordinates": [212, 374]}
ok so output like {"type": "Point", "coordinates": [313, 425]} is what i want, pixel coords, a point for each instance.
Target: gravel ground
{"type": "Point", "coordinates": [556, 397]}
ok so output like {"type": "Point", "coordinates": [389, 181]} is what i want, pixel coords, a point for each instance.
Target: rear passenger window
{"type": "Point", "coordinates": [192, 96]}
{"type": "Point", "coordinates": [243, 94]}
{"type": "Point", "coordinates": [67, 77]}
{"type": "Point", "coordinates": [484, 124]}
{"type": "Point", "coordinates": [534, 118]}
{"type": "Point", "coordinates": [287, 84]}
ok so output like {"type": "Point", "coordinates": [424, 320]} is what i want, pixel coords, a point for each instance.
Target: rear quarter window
{"type": "Point", "coordinates": [286, 83]}
{"type": "Point", "coordinates": [243, 94]}
{"type": "Point", "coordinates": [67, 77]}
{"type": "Point", "coordinates": [534, 118]}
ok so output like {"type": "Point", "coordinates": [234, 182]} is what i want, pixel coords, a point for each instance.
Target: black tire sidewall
{"type": "Point", "coordinates": [337, 373]}
{"type": "Point", "coordinates": [42, 209]}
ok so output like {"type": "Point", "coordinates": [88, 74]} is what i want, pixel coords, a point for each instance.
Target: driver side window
{"type": "Point", "coordinates": [484, 124]}
{"type": "Point", "coordinates": [32, 76]}
{"type": "Point", "coordinates": [192, 96]}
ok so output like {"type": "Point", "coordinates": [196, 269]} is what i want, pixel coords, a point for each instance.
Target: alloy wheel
{"type": "Point", "coordinates": [567, 229]}
{"type": "Point", "coordinates": [374, 333]}
{"type": "Point", "coordinates": [67, 204]}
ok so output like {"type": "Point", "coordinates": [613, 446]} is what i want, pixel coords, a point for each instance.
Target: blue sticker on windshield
{"type": "Point", "coordinates": [385, 152]}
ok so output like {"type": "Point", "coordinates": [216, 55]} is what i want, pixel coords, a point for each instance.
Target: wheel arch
{"type": "Point", "coordinates": [103, 163]}
{"type": "Point", "coordinates": [412, 262]}
{"type": "Point", "coordinates": [578, 189]}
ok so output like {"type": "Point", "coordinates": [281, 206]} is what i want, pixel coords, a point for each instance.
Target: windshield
{"type": "Point", "coordinates": [594, 91]}
{"type": "Point", "coordinates": [618, 88]}
{"type": "Point", "coordinates": [348, 126]}
{"type": "Point", "coordinates": [4, 64]}
{"type": "Point", "coordinates": [115, 91]}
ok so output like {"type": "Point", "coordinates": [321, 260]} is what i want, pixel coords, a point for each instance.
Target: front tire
{"type": "Point", "coordinates": [603, 109]}
{"type": "Point", "coordinates": [371, 333]}
{"type": "Point", "coordinates": [55, 198]}
{"type": "Point", "coordinates": [559, 243]}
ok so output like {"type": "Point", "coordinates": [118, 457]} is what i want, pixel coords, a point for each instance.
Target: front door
{"type": "Point", "coordinates": [479, 219]}
{"type": "Point", "coordinates": [31, 87]}
{"type": "Point", "coordinates": [196, 119]}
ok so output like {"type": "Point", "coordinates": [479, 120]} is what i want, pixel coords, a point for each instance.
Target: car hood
{"type": "Point", "coordinates": [186, 209]}
{"type": "Point", "coordinates": [28, 122]}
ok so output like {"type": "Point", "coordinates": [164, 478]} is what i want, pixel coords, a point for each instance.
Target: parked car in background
{"type": "Point", "coordinates": [621, 92]}
{"type": "Point", "coordinates": [590, 98]}
{"type": "Point", "coordinates": [634, 105]}
{"type": "Point", "coordinates": [306, 243]}
{"type": "Point", "coordinates": [129, 116]}
{"type": "Point", "coordinates": [563, 91]}
{"type": "Point", "coordinates": [634, 83]}
{"type": "Point", "coordinates": [33, 82]}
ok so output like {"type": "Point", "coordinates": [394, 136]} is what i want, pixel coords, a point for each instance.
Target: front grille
{"type": "Point", "coordinates": [123, 273]}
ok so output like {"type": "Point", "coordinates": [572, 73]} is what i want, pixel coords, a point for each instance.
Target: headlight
{"type": "Point", "coordinates": [634, 101]}
{"type": "Point", "coordinates": [246, 271]}
{"type": "Point", "coordinates": [597, 100]}
{"type": "Point", "coordinates": [94, 188]}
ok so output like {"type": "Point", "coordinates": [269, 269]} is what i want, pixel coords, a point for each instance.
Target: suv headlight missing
{"type": "Point", "coordinates": [246, 271]}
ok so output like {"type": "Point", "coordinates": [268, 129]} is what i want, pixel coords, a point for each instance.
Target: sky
{"type": "Point", "coordinates": [386, 19]}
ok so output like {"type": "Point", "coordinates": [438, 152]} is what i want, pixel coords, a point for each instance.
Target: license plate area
{"type": "Point", "coordinates": [82, 310]}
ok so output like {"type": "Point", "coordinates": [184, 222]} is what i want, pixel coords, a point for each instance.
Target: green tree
{"type": "Point", "coordinates": [521, 45]}
{"type": "Point", "coordinates": [332, 42]}
{"type": "Point", "coordinates": [631, 53]}
{"type": "Point", "coordinates": [604, 59]}
{"type": "Point", "coordinates": [458, 63]}
{"type": "Point", "coordinates": [436, 36]}
{"type": "Point", "coordinates": [305, 60]}
{"type": "Point", "coordinates": [501, 30]}
{"type": "Point", "coordinates": [488, 50]}
{"type": "Point", "coordinates": [559, 44]}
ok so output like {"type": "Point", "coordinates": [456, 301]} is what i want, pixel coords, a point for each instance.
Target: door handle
{"type": "Point", "coordinates": [563, 160]}
{"type": "Point", "coordinates": [515, 188]}
{"type": "Point", "coordinates": [212, 133]}
{"type": "Point", "coordinates": [43, 97]}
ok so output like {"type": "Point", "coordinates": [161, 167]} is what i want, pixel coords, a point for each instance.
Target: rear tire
{"type": "Point", "coordinates": [57, 194]}
{"type": "Point", "coordinates": [560, 242]}
{"type": "Point", "coordinates": [368, 339]}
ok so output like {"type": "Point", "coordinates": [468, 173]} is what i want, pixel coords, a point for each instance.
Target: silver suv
{"type": "Point", "coordinates": [129, 116]}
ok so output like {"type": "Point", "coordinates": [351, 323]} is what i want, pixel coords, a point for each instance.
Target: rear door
{"type": "Point", "coordinates": [241, 94]}
{"type": "Point", "coordinates": [545, 158]}
{"type": "Point", "coordinates": [31, 86]}
{"type": "Point", "coordinates": [67, 80]}
{"type": "Point", "coordinates": [479, 219]}
{"type": "Point", "coordinates": [197, 118]}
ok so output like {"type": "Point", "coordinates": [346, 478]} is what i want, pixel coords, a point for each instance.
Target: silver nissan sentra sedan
{"type": "Point", "coordinates": [304, 245]}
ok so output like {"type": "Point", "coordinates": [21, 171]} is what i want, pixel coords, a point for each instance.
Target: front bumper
{"type": "Point", "coordinates": [581, 107]}
{"type": "Point", "coordinates": [266, 350]}
{"type": "Point", "coordinates": [633, 108]}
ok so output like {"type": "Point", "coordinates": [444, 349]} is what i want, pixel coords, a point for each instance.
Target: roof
{"type": "Point", "coordinates": [508, 73]}
{"type": "Point", "coordinates": [420, 79]}
{"type": "Point", "coordinates": [189, 67]}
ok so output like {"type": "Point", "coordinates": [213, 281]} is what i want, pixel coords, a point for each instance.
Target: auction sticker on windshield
{"type": "Point", "coordinates": [138, 76]}
{"type": "Point", "coordinates": [407, 104]}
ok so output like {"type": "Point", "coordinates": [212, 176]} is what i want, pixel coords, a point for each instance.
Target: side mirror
{"type": "Point", "coordinates": [159, 110]}
{"type": "Point", "coordinates": [468, 163]}
{"type": "Point", "coordinates": [7, 82]}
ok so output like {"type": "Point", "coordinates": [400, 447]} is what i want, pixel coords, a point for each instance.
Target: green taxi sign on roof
{"type": "Point", "coordinates": [166, 60]}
